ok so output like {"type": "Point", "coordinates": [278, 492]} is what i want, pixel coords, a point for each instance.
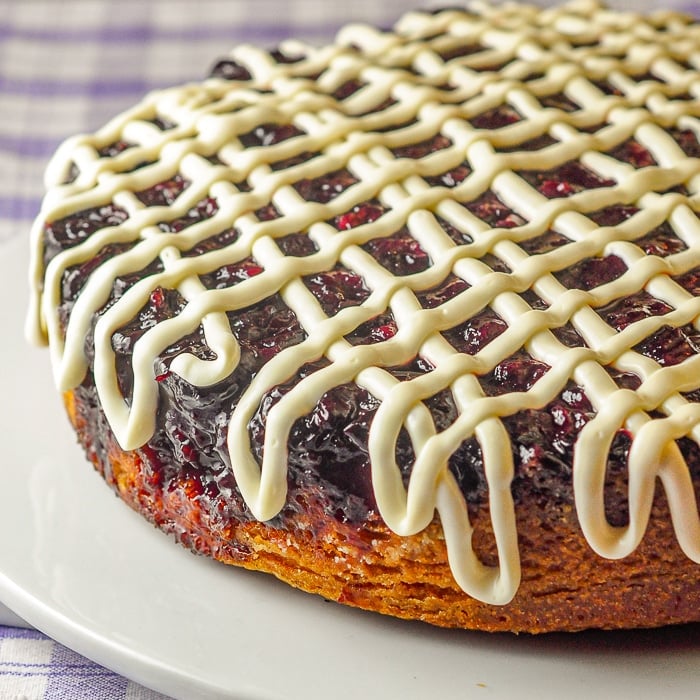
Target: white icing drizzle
{"type": "Point", "coordinates": [572, 46]}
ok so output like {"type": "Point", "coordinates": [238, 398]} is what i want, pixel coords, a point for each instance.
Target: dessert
{"type": "Point", "coordinates": [410, 320]}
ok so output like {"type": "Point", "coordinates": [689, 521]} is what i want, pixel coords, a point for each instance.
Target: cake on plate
{"type": "Point", "coordinates": [410, 320]}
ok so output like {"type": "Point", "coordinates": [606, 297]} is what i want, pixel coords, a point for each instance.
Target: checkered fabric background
{"type": "Point", "coordinates": [66, 66]}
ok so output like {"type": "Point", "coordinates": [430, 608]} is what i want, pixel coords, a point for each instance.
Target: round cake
{"type": "Point", "coordinates": [410, 321]}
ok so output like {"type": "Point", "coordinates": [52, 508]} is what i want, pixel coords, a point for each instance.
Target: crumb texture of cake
{"type": "Point", "coordinates": [410, 320]}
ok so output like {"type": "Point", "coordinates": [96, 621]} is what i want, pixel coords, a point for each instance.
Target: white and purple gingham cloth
{"type": "Point", "coordinates": [33, 666]}
{"type": "Point", "coordinates": [67, 66]}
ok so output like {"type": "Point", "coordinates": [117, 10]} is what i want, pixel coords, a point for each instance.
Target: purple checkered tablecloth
{"type": "Point", "coordinates": [67, 66]}
{"type": "Point", "coordinates": [33, 666]}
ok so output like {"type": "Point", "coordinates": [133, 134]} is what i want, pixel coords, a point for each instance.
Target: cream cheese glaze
{"type": "Point", "coordinates": [574, 47]}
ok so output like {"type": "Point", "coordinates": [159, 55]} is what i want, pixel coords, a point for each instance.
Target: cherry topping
{"type": "Point", "coordinates": [516, 373]}
{"type": "Point", "coordinates": [228, 69]}
{"type": "Point", "coordinates": [490, 209]}
{"type": "Point", "coordinates": [401, 254]}
{"type": "Point", "coordinates": [231, 274]}
{"type": "Point", "coordinates": [337, 289]}
{"type": "Point", "coordinates": [451, 178]}
{"type": "Point", "coordinates": [496, 118]}
{"type": "Point", "coordinates": [634, 153]}
{"type": "Point", "coordinates": [623, 312]}
{"type": "Point", "coordinates": [204, 209]}
{"type": "Point", "coordinates": [164, 193]}
{"type": "Point", "coordinates": [113, 149]}
{"type": "Point", "coordinates": [325, 187]}
{"type": "Point", "coordinates": [269, 134]}
{"type": "Point", "coordinates": [360, 214]}
{"type": "Point", "coordinates": [477, 332]}
{"type": "Point", "coordinates": [382, 327]}
{"type": "Point", "coordinates": [567, 179]}
{"type": "Point", "coordinates": [76, 228]}
{"type": "Point", "coordinates": [687, 139]}
{"type": "Point", "coordinates": [424, 148]}
{"type": "Point", "coordinates": [449, 289]}
{"type": "Point", "coordinates": [297, 245]}
{"type": "Point", "coordinates": [592, 272]}
{"type": "Point", "coordinates": [348, 88]}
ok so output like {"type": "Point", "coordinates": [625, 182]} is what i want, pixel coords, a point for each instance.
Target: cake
{"type": "Point", "coordinates": [409, 321]}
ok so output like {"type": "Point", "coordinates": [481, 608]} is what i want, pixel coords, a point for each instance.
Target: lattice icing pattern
{"type": "Point", "coordinates": [506, 171]}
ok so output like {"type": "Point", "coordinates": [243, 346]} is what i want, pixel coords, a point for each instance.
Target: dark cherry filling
{"type": "Point", "coordinates": [451, 178]}
{"type": "Point", "coordinates": [74, 278]}
{"type": "Point", "coordinates": [489, 208]}
{"type": "Point", "coordinates": [298, 159]}
{"type": "Point", "coordinates": [114, 149]}
{"type": "Point", "coordinates": [569, 336]}
{"type": "Point", "coordinates": [331, 442]}
{"type": "Point", "coordinates": [496, 118]}
{"type": "Point", "coordinates": [269, 134]}
{"type": "Point", "coordinates": [164, 193]}
{"type": "Point", "coordinates": [634, 153]}
{"type": "Point", "coordinates": [401, 254]}
{"type": "Point", "coordinates": [360, 214]}
{"type": "Point", "coordinates": [621, 313]}
{"type": "Point", "coordinates": [348, 88]}
{"type": "Point", "coordinates": [268, 213]}
{"type": "Point", "coordinates": [380, 107]}
{"type": "Point", "coordinates": [607, 88]}
{"type": "Point", "coordinates": [162, 123]}
{"type": "Point", "coordinates": [690, 281]}
{"type": "Point", "coordinates": [232, 274]}
{"type": "Point", "coordinates": [688, 141]}
{"type": "Point", "coordinates": [476, 333]}
{"type": "Point", "coordinates": [204, 209]}
{"type": "Point", "coordinates": [216, 242]}
{"type": "Point", "coordinates": [457, 235]}
{"type": "Point", "coordinates": [662, 242]}
{"type": "Point", "coordinates": [436, 296]}
{"type": "Point", "coordinates": [284, 58]}
{"type": "Point", "coordinates": [228, 69]}
{"type": "Point", "coordinates": [535, 144]}
{"type": "Point", "coordinates": [520, 371]}
{"type": "Point", "coordinates": [72, 230]}
{"type": "Point", "coordinates": [423, 148]}
{"type": "Point", "coordinates": [613, 215]}
{"type": "Point", "coordinates": [539, 245]}
{"type": "Point", "coordinates": [125, 281]}
{"type": "Point", "coordinates": [592, 272]}
{"type": "Point", "coordinates": [376, 330]}
{"type": "Point", "coordinates": [337, 289]}
{"type": "Point", "coordinates": [297, 245]}
{"type": "Point", "coordinates": [326, 187]}
{"type": "Point", "coordinates": [264, 330]}
{"type": "Point", "coordinates": [567, 179]}
{"type": "Point", "coordinates": [163, 304]}
{"type": "Point", "coordinates": [670, 346]}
